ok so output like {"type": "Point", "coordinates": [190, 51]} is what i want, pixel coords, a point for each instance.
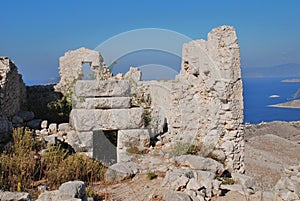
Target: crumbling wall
{"type": "Point", "coordinates": [205, 103]}
{"type": "Point", "coordinates": [12, 89]}
{"type": "Point", "coordinates": [212, 70]}
{"type": "Point", "coordinates": [70, 67]}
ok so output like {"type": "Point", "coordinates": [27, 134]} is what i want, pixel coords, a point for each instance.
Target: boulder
{"type": "Point", "coordinates": [246, 181]}
{"type": "Point", "coordinates": [121, 171]}
{"type": "Point", "coordinates": [288, 187]}
{"type": "Point", "coordinates": [34, 124]}
{"type": "Point", "coordinates": [102, 88]}
{"type": "Point", "coordinates": [200, 163]}
{"type": "Point", "coordinates": [64, 127]}
{"type": "Point", "coordinates": [201, 183]}
{"type": "Point", "coordinates": [44, 124]}
{"type": "Point", "coordinates": [53, 128]}
{"type": "Point", "coordinates": [176, 196]}
{"type": "Point", "coordinates": [72, 189]}
{"type": "Point", "coordinates": [15, 196]}
{"type": "Point", "coordinates": [69, 191]}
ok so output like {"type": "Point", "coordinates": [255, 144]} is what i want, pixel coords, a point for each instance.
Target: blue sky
{"type": "Point", "coordinates": [35, 33]}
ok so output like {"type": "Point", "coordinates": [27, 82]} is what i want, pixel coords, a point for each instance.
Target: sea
{"type": "Point", "coordinates": [257, 92]}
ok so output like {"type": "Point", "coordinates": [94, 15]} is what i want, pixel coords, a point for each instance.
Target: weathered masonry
{"type": "Point", "coordinates": [203, 105]}
{"type": "Point", "coordinates": [12, 88]}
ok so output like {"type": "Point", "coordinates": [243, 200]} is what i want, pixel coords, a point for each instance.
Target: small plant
{"type": "Point", "coordinates": [184, 148]}
{"type": "Point", "coordinates": [62, 106]}
{"type": "Point", "coordinates": [89, 191]}
{"type": "Point", "coordinates": [134, 150]}
{"type": "Point", "coordinates": [147, 117]}
{"type": "Point", "coordinates": [151, 175]}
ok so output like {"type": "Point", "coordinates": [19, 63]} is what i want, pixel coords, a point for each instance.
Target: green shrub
{"type": "Point", "coordinates": [184, 148]}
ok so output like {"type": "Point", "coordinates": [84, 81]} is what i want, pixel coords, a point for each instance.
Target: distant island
{"type": "Point", "coordinates": [291, 80]}
{"type": "Point", "coordinates": [289, 104]}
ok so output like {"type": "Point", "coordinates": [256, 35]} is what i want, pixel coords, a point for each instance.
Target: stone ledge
{"type": "Point", "coordinates": [102, 88]}
{"type": "Point", "coordinates": [139, 138]}
{"type": "Point", "coordinates": [111, 119]}
{"type": "Point", "coordinates": [105, 103]}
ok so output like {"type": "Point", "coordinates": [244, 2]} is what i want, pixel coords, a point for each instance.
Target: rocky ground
{"type": "Point", "coordinates": [270, 148]}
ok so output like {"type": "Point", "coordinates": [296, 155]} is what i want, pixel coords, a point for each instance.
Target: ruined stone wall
{"type": "Point", "coordinates": [205, 102]}
{"type": "Point", "coordinates": [212, 69]}
{"type": "Point", "coordinates": [70, 67]}
{"type": "Point", "coordinates": [12, 89]}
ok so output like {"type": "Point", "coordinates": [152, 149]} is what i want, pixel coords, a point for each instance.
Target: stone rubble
{"type": "Point", "coordinates": [288, 187]}
{"type": "Point", "coordinates": [69, 191]}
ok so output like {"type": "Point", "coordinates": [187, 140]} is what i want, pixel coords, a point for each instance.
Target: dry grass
{"type": "Point", "coordinates": [23, 168]}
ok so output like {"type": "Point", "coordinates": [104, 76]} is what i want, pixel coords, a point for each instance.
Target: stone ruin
{"type": "Point", "coordinates": [12, 97]}
{"type": "Point", "coordinates": [105, 106]}
{"type": "Point", "coordinates": [202, 106]}
{"type": "Point", "coordinates": [70, 68]}
{"type": "Point", "coordinates": [12, 89]}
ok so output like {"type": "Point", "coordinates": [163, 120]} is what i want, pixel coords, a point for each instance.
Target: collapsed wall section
{"type": "Point", "coordinates": [12, 89]}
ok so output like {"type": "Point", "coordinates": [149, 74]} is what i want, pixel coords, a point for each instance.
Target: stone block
{"type": "Point", "coordinates": [105, 103]}
{"type": "Point", "coordinates": [7, 196]}
{"type": "Point", "coordinates": [121, 171]}
{"type": "Point", "coordinates": [139, 138]}
{"type": "Point", "coordinates": [44, 124]}
{"type": "Point", "coordinates": [64, 127]}
{"type": "Point", "coordinates": [53, 128]}
{"type": "Point", "coordinates": [102, 88]}
{"type": "Point", "coordinates": [112, 119]}
{"type": "Point", "coordinates": [176, 196]}
{"type": "Point", "coordinates": [34, 124]}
